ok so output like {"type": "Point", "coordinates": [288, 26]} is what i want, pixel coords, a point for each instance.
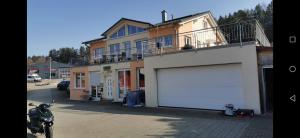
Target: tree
{"type": "Point", "coordinates": [54, 54]}
{"type": "Point", "coordinates": [262, 13]}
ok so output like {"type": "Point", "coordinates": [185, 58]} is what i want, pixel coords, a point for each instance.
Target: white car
{"type": "Point", "coordinates": [34, 78]}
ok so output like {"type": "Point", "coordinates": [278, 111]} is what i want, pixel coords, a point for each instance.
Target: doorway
{"type": "Point", "coordinates": [140, 79]}
{"type": "Point", "coordinates": [109, 86]}
{"type": "Point", "coordinates": [95, 89]}
{"type": "Point", "coordinates": [268, 88]}
{"type": "Point", "coordinates": [123, 83]}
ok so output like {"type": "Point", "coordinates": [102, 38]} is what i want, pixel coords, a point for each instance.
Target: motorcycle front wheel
{"type": "Point", "coordinates": [49, 132]}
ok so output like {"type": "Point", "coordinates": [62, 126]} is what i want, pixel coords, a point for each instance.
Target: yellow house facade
{"type": "Point", "coordinates": [192, 53]}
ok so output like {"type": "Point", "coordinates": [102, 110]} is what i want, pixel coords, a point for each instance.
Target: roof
{"type": "Point", "coordinates": [93, 40]}
{"type": "Point", "coordinates": [103, 34]}
{"type": "Point", "coordinates": [178, 19]}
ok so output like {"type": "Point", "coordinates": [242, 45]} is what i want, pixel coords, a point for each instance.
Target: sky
{"type": "Point", "coordinates": [53, 24]}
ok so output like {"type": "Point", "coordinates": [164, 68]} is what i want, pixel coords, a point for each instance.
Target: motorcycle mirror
{"type": "Point", "coordinates": [31, 104]}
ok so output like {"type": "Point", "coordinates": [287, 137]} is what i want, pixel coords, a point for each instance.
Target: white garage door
{"type": "Point", "coordinates": [205, 87]}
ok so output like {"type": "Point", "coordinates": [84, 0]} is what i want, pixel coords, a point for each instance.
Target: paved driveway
{"type": "Point", "coordinates": [74, 119]}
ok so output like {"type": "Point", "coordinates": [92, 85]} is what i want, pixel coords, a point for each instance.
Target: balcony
{"type": "Point", "coordinates": [239, 33]}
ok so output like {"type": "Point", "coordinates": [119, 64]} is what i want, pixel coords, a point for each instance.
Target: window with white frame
{"type": "Point", "coordinates": [79, 80]}
{"type": "Point", "coordinates": [98, 53]}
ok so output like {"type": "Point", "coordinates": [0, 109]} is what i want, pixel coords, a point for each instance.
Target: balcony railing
{"type": "Point", "coordinates": [223, 35]}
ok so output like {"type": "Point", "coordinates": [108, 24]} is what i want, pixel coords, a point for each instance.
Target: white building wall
{"type": "Point", "coordinates": [245, 55]}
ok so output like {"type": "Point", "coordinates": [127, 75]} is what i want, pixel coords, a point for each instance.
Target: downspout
{"type": "Point", "coordinates": [176, 39]}
{"type": "Point", "coordinates": [159, 42]}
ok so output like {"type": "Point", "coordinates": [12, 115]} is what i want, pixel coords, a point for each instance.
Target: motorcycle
{"type": "Point", "coordinates": [41, 120]}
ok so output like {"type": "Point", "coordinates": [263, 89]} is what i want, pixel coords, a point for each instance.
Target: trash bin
{"type": "Point", "coordinates": [131, 99]}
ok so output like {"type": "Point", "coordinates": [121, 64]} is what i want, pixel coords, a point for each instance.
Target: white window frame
{"type": "Point", "coordinates": [80, 81]}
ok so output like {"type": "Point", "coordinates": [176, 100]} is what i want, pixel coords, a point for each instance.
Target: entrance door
{"type": "Point", "coordinates": [95, 85]}
{"type": "Point", "coordinates": [123, 83]}
{"type": "Point", "coordinates": [109, 86]}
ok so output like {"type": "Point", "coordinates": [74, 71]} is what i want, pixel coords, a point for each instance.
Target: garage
{"type": "Point", "coordinates": [204, 87]}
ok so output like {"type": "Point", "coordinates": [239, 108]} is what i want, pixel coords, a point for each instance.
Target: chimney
{"type": "Point", "coordinates": [164, 16]}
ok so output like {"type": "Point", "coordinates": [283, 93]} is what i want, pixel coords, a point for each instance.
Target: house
{"type": "Point", "coordinates": [188, 62]}
{"type": "Point", "coordinates": [58, 70]}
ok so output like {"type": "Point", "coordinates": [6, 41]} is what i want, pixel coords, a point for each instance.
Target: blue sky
{"type": "Point", "coordinates": [67, 23]}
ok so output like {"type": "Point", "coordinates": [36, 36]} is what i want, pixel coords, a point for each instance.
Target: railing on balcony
{"type": "Point", "coordinates": [223, 35]}
{"type": "Point", "coordinates": [122, 54]}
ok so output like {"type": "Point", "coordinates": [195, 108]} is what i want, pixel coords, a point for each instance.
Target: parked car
{"type": "Point", "coordinates": [63, 85]}
{"type": "Point", "coordinates": [33, 78]}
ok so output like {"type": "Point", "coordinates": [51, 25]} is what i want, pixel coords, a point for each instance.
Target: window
{"type": "Point", "coordinates": [165, 41]}
{"type": "Point", "coordinates": [79, 80]}
{"type": "Point", "coordinates": [131, 29]}
{"type": "Point", "coordinates": [159, 41]}
{"type": "Point", "coordinates": [119, 33]}
{"type": "Point", "coordinates": [204, 24]}
{"type": "Point", "coordinates": [139, 29]}
{"type": "Point", "coordinates": [145, 45]}
{"type": "Point", "coordinates": [98, 53]}
{"type": "Point", "coordinates": [115, 49]}
{"type": "Point", "coordinates": [187, 40]}
{"type": "Point", "coordinates": [127, 49]}
{"type": "Point", "coordinates": [115, 35]}
{"type": "Point", "coordinates": [139, 47]}
{"type": "Point", "coordinates": [134, 29]}
{"type": "Point", "coordinates": [168, 40]}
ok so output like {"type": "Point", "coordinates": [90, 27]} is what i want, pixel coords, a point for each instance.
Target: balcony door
{"type": "Point", "coordinates": [127, 50]}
